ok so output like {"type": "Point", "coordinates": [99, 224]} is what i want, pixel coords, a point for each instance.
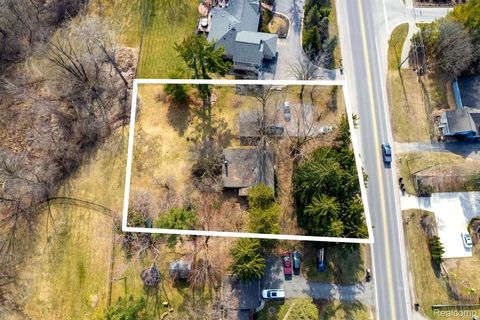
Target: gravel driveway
{"type": "Point", "coordinates": [299, 287]}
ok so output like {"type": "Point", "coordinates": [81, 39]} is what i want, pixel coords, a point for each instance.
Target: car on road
{"type": "Point", "coordinates": [287, 264]}
{"type": "Point", "coordinates": [321, 262]}
{"type": "Point", "coordinates": [467, 240]}
{"type": "Point", "coordinates": [273, 293]}
{"type": "Point", "coordinates": [386, 152]}
{"type": "Point", "coordinates": [296, 261]}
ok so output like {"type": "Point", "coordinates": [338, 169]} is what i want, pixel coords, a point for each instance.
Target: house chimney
{"type": "Point", "coordinates": [225, 162]}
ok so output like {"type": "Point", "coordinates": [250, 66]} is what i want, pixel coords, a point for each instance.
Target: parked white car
{"type": "Point", "coordinates": [273, 294]}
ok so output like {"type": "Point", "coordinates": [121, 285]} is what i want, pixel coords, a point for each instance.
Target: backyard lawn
{"type": "Point", "coordinates": [169, 23]}
{"type": "Point", "coordinates": [161, 23]}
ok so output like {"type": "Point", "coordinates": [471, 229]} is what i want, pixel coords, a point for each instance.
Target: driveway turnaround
{"type": "Point", "coordinates": [299, 287]}
{"type": "Point", "coordinates": [453, 211]}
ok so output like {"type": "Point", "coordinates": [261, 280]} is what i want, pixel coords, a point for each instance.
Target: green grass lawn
{"type": "Point", "coordinates": [337, 310]}
{"type": "Point", "coordinates": [395, 45]}
{"type": "Point", "coordinates": [343, 267]}
{"type": "Point", "coordinates": [162, 24]}
{"type": "Point", "coordinates": [287, 310]}
{"type": "Point", "coordinates": [430, 288]}
{"type": "Point", "coordinates": [169, 23]}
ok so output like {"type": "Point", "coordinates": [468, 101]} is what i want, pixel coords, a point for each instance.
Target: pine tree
{"type": "Point", "coordinates": [436, 249]}
{"type": "Point", "coordinates": [248, 262]}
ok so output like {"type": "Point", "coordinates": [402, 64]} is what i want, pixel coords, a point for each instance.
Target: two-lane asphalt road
{"type": "Point", "coordinates": [362, 26]}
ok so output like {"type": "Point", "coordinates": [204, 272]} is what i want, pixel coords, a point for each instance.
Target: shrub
{"type": "Point", "coordinates": [260, 196]}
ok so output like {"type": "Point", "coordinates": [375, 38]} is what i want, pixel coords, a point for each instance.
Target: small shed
{"type": "Point", "coordinates": [180, 269]}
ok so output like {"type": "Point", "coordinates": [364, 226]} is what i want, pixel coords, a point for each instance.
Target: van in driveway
{"type": "Point", "coordinates": [321, 262]}
{"type": "Point", "coordinates": [296, 262]}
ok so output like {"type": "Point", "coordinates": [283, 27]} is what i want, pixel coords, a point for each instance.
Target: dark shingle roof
{"type": "Point", "coordinates": [252, 47]}
{"type": "Point", "coordinates": [463, 120]}
{"type": "Point", "coordinates": [247, 167]}
{"type": "Point", "coordinates": [470, 91]}
{"type": "Point", "coordinates": [243, 295]}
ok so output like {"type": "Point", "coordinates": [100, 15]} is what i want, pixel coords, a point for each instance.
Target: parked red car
{"type": "Point", "coordinates": [287, 264]}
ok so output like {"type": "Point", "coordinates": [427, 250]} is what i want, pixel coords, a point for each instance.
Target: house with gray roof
{"type": "Point", "coordinates": [241, 298]}
{"type": "Point", "coordinates": [463, 123]}
{"type": "Point", "coordinates": [235, 28]}
{"type": "Point", "coordinates": [246, 167]}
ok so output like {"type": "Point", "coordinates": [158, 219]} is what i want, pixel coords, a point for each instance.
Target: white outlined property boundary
{"type": "Point", "coordinates": [355, 144]}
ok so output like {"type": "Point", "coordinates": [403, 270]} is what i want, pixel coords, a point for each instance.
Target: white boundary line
{"type": "Point", "coordinates": [131, 135]}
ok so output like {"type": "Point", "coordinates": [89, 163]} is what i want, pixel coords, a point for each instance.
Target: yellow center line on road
{"type": "Point", "coordinates": [379, 169]}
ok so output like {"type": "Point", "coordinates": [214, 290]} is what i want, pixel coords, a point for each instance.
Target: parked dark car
{"type": "Point", "coordinates": [296, 262]}
{"type": "Point", "coordinates": [386, 152]}
{"type": "Point", "coordinates": [321, 261]}
{"type": "Point", "coordinates": [287, 264]}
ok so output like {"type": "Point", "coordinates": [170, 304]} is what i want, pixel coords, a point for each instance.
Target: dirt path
{"type": "Point", "coordinates": [288, 311]}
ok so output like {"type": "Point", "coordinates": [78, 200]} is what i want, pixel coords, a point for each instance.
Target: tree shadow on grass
{"type": "Point", "coordinates": [179, 116]}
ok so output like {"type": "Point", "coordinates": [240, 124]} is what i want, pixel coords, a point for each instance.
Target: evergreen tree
{"type": "Point", "coordinates": [436, 249]}
{"type": "Point", "coordinates": [248, 263]}
{"type": "Point", "coordinates": [176, 218]}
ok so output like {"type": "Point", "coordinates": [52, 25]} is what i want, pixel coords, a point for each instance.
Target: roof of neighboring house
{"type": "Point", "coordinates": [235, 28]}
{"type": "Point", "coordinates": [469, 88]}
{"type": "Point", "coordinates": [252, 47]}
{"type": "Point", "coordinates": [239, 15]}
{"type": "Point", "coordinates": [241, 295]}
{"type": "Point", "coordinates": [246, 167]}
{"type": "Point", "coordinates": [463, 120]}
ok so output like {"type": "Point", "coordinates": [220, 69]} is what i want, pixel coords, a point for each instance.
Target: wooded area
{"type": "Point", "coordinates": [64, 86]}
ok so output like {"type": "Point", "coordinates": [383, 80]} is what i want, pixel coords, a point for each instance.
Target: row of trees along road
{"type": "Point", "coordinates": [327, 190]}
{"type": "Point", "coordinates": [452, 44]}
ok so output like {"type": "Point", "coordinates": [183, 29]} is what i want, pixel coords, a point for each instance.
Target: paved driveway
{"type": "Point", "coordinates": [453, 211]}
{"type": "Point", "coordinates": [289, 49]}
{"type": "Point", "coordinates": [464, 149]}
{"type": "Point", "coordinates": [299, 287]}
